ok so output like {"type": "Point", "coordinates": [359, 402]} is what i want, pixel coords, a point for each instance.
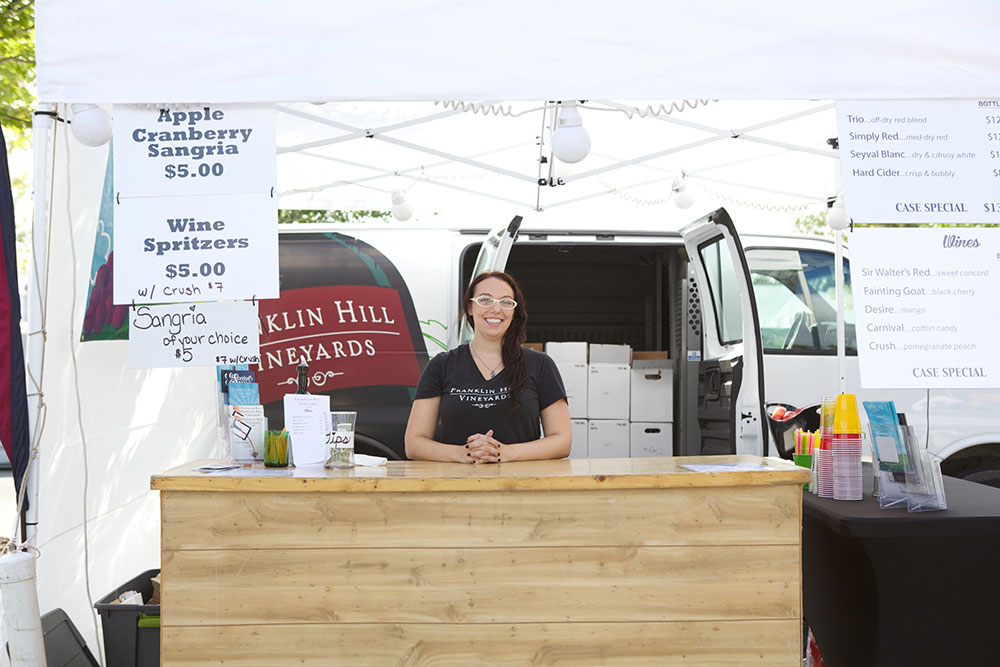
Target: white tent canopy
{"type": "Point", "coordinates": [125, 425]}
{"type": "Point", "coordinates": [109, 51]}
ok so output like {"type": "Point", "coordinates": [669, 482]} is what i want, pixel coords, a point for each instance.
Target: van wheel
{"type": "Point", "coordinates": [987, 476]}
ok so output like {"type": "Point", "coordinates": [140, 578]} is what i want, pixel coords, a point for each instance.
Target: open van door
{"type": "Point", "coordinates": [492, 257]}
{"type": "Point", "coordinates": [731, 411]}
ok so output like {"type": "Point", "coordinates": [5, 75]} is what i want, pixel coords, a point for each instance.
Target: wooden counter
{"type": "Point", "coordinates": [597, 561]}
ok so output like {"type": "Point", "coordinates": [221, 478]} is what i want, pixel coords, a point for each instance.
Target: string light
{"type": "Point", "coordinates": [91, 125]}
{"type": "Point", "coordinates": [836, 217]}
{"type": "Point", "coordinates": [570, 140]}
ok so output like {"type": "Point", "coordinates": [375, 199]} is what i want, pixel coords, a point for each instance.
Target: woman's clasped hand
{"type": "Point", "coordinates": [483, 448]}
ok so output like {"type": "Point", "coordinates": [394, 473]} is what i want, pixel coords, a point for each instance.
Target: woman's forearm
{"type": "Point", "coordinates": [422, 448]}
{"type": "Point", "coordinates": [555, 446]}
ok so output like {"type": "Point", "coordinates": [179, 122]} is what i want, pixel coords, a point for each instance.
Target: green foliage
{"type": "Point", "coordinates": [814, 223]}
{"type": "Point", "coordinates": [17, 68]}
{"type": "Point", "coordinates": [308, 216]}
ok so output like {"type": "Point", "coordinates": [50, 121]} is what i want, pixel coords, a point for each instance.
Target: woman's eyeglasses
{"type": "Point", "coordinates": [488, 301]}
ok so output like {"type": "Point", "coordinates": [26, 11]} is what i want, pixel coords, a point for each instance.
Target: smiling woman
{"type": "Point", "coordinates": [482, 402]}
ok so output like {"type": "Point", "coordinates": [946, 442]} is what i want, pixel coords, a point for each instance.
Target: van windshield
{"type": "Point", "coordinates": [797, 300]}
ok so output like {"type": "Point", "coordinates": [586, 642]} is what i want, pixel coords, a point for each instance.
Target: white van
{"type": "Point", "coordinates": [367, 305]}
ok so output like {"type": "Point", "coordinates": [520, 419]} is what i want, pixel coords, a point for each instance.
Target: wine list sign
{"type": "Point", "coordinates": [195, 211]}
{"type": "Point", "coordinates": [194, 334]}
{"type": "Point", "coordinates": [926, 309]}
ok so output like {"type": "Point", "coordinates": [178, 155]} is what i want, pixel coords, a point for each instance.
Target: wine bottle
{"type": "Point", "coordinates": [303, 379]}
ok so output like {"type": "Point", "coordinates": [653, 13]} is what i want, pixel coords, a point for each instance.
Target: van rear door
{"type": "Point", "coordinates": [492, 257]}
{"type": "Point", "coordinates": [731, 412]}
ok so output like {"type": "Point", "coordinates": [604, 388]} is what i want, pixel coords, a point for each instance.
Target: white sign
{"type": "Point", "coordinates": [925, 305]}
{"type": "Point", "coordinates": [196, 249]}
{"type": "Point", "coordinates": [920, 160]}
{"type": "Point", "coordinates": [187, 150]}
{"type": "Point", "coordinates": [197, 334]}
{"type": "Point", "coordinates": [307, 418]}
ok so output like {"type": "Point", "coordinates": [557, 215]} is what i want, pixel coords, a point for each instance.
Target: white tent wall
{"type": "Point", "coordinates": [135, 422]}
{"type": "Point", "coordinates": [106, 51]}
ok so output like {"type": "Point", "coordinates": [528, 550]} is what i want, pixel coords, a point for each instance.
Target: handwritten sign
{"type": "Point", "coordinates": [196, 249]}
{"type": "Point", "coordinates": [193, 150]}
{"type": "Point", "coordinates": [920, 160]}
{"type": "Point", "coordinates": [926, 312]}
{"type": "Point", "coordinates": [198, 334]}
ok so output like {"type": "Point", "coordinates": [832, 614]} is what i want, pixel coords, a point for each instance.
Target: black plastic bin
{"type": "Point", "coordinates": [125, 643]}
{"type": "Point", "coordinates": [783, 430]}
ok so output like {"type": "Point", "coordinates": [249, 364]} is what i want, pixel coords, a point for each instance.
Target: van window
{"type": "Point", "coordinates": [797, 300]}
{"type": "Point", "coordinates": [725, 291]}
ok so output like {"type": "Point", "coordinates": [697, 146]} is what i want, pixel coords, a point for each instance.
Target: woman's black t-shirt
{"type": "Point", "coordinates": [472, 404]}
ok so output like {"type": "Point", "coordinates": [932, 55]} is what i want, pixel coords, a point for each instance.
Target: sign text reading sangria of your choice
{"type": "Point", "coordinates": [349, 335]}
{"type": "Point", "coordinates": [195, 249]}
{"type": "Point", "coordinates": [198, 334]}
{"type": "Point", "coordinates": [925, 306]}
{"type": "Point", "coordinates": [920, 161]}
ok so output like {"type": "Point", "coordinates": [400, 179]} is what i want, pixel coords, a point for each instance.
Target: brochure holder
{"type": "Point", "coordinates": [905, 473]}
{"type": "Point", "coordinates": [924, 486]}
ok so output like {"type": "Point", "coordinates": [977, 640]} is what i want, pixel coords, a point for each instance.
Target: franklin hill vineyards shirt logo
{"type": "Point", "coordinates": [481, 398]}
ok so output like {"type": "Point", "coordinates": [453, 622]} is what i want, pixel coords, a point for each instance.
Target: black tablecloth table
{"type": "Point", "coordinates": [903, 589]}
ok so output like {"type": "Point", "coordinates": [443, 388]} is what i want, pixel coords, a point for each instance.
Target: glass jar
{"type": "Point", "coordinates": [341, 440]}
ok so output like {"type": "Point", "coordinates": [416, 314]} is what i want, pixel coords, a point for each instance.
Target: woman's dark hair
{"type": "Point", "coordinates": [511, 350]}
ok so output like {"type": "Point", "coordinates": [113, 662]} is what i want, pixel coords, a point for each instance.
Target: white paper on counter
{"type": "Point", "coordinates": [306, 417]}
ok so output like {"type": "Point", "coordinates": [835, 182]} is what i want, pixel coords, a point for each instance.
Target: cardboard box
{"type": "Point", "coordinates": [573, 353]}
{"type": "Point", "coordinates": [537, 347]}
{"type": "Point", "coordinates": [610, 354]}
{"type": "Point", "coordinates": [651, 439]}
{"type": "Point", "coordinates": [608, 391]}
{"type": "Point", "coordinates": [607, 439]}
{"type": "Point", "coordinates": [580, 438]}
{"type": "Point", "coordinates": [652, 389]}
{"type": "Point", "coordinates": [574, 377]}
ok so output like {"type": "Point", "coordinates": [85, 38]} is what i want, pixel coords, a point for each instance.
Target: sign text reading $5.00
{"type": "Point", "coordinates": [182, 170]}
{"type": "Point", "coordinates": [185, 270]}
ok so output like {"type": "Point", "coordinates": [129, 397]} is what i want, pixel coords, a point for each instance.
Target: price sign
{"type": "Point", "coordinates": [197, 334]}
{"type": "Point", "coordinates": [921, 161]}
{"type": "Point", "coordinates": [196, 249]}
{"type": "Point", "coordinates": [926, 311]}
{"type": "Point", "coordinates": [187, 150]}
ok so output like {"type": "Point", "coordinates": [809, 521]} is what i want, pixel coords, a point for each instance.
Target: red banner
{"type": "Point", "coordinates": [350, 335]}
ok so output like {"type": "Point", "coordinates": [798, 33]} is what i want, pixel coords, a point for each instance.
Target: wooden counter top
{"type": "Point", "coordinates": [562, 474]}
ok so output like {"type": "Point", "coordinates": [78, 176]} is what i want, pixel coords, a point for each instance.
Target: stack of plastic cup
{"type": "Point", "coordinates": [824, 455]}
{"type": "Point", "coordinates": [846, 449]}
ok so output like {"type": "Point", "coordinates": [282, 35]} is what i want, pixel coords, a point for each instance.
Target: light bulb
{"type": "Point", "coordinates": [570, 140]}
{"type": "Point", "coordinates": [91, 125]}
{"type": "Point", "coordinates": [682, 195]}
{"type": "Point", "coordinates": [402, 209]}
{"type": "Point", "coordinates": [836, 217]}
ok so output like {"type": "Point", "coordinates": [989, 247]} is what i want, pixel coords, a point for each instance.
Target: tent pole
{"type": "Point", "coordinates": [42, 123]}
{"type": "Point", "coordinates": [838, 255]}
